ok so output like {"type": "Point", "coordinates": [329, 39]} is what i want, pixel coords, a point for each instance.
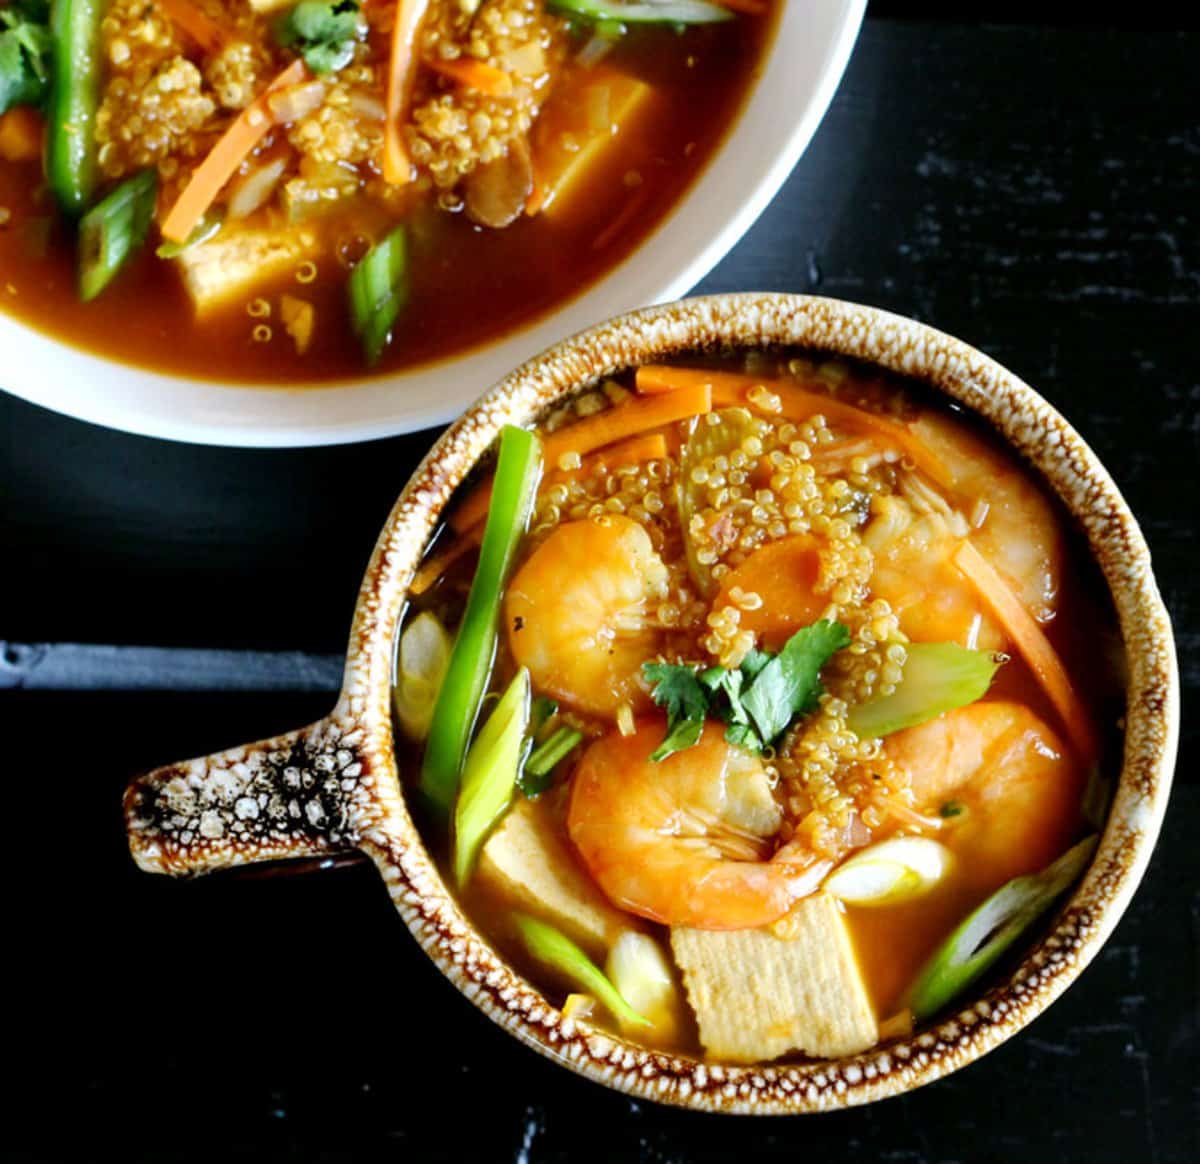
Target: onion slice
{"type": "Point", "coordinates": [896, 870]}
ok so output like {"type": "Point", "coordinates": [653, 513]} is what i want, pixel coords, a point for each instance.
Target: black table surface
{"type": "Point", "coordinates": [1031, 188]}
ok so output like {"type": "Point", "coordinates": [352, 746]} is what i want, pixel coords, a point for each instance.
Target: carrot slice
{"type": "Point", "coordinates": [1030, 640]}
{"type": "Point", "coordinates": [477, 75]}
{"type": "Point", "coordinates": [233, 147]}
{"type": "Point", "coordinates": [629, 419]}
{"type": "Point", "coordinates": [783, 574]}
{"type": "Point", "coordinates": [397, 166]}
{"type": "Point", "coordinates": [634, 451]}
{"type": "Point", "coordinates": [205, 31]}
{"type": "Point", "coordinates": [733, 389]}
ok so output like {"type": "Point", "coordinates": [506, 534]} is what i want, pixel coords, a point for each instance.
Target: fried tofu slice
{"type": "Point", "coordinates": [528, 863]}
{"type": "Point", "coordinates": [571, 139]}
{"type": "Point", "coordinates": [757, 997]}
{"type": "Point", "coordinates": [236, 261]}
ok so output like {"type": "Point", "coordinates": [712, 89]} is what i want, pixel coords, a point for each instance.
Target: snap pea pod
{"type": "Point", "coordinates": [517, 470]}
{"type": "Point", "coordinates": [983, 937]}
{"type": "Point", "coordinates": [74, 99]}
{"type": "Point", "coordinates": [113, 230]}
{"type": "Point", "coordinates": [665, 12]}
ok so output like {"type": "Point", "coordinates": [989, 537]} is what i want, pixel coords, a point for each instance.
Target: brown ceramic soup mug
{"type": "Point", "coordinates": [333, 787]}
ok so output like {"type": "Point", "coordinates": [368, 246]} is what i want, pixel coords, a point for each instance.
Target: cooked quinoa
{"type": "Point", "coordinates": [783, 479]}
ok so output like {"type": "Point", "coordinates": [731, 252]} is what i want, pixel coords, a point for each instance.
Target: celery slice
{"type": "Point", "coordinates": [466, 678]}
{"type": "Point", "coordinates": [557, 951]}
{"type": "Point", "coordinates": [937, 677]}
{"type": "Point", "coordinates": [991, 929]}
{"type": "Point", "coordinates": [490, 774]}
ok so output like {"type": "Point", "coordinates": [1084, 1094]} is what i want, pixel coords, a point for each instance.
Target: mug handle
{"type": "Point", "coordinates": [298, 795]}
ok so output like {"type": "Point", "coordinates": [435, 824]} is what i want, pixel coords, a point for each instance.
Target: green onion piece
{"type": "Point", "coordinates": [558, 952]}
{"type": "Point", "coordinates": [378, 290]}
{"type": "Point", "coordinates": [205, 229]}
{"type": "Point", "coordinates": [74, 99]}
{"type": "Point", "coordinates": [462, 690]}
{"type": "Point", "coordinates": [666, 12]}
{"type": "Point", "coordinates": [979, 941]}
{"type": "Point", "coordinates": [113, 230]}
{"type": "Point", "coordinates": [552, 750]}
{"type": "Point", "coordinates": [490, 774]}
{"type": "Point", "coordinates": [937, 677]}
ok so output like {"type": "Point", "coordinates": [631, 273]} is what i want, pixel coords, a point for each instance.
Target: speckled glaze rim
{"type": "Point", "coordinates": [334, 786]}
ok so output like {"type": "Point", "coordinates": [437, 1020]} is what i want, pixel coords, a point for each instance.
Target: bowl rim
{"type": "Point", "coordinates": [702, 226]}
{"type": "Point", "coordinates": [1030, 426]}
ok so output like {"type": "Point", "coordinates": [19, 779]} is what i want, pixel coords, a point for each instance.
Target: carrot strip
{"type": "Point", "coordinates": [205, 31]}
{"type": "Point", "coordinates": [605, 428]}
{"type": "Point", "coordinates": [234, 146]}
{"type": "Point", "coordinates": [433, 568]}
{"type": "Point", "coordinates": [732, 390]}
{"type": "Point", "coordinates": [397, 166]}
{"type": "Point", "coordinates": [650, 446]}
{"type": "Point", "coordinates": [1030, 640]}
{"type": "Point", "coordinates": [477, 75]}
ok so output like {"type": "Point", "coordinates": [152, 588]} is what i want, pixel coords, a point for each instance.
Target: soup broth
{"type": "Point", "coordinates": [816, 667]}
{"type": "Point", "coordinates": [592, 141]}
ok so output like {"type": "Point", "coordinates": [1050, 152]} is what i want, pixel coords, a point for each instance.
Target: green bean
{"type": "Point", "coordinates": [74, 99]}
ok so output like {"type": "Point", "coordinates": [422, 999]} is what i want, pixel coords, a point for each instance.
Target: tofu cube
{"type": "Point", "coordinates": [236, 261]}
{"type": "Point", "coordinates": [757, 997]}
{"type": "Point", "coordinates": [528, 863]}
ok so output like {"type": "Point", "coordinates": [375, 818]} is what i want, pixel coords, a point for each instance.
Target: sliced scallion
{"type": "Point", "coordinates": [517, 470]}
{"type": "Point", "coordinates": [206, 228]}
{"type": "Point", "coordinates": [617, 12]}
{"type": "Point", "coordinates": [557, 951]}
{"type": "Point", "coordinates": [539, 768]}
{"type": "Point", "coordinates": [490, 774]}
{"type": "Point", "coordinates": [378, 290]}
{"type": "Point", "coordinates": [937, 677]}
{"type": "Point", "coordinates": [113, 230]}
{"type": "Point", "coordinates": [990, 930]}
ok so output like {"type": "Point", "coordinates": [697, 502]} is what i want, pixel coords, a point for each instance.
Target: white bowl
{"type": "Point", "coordinates": [810, 53]}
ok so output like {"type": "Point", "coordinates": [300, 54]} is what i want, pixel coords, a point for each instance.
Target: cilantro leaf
{"type": "Point", "coordinates": [25, 48]}
{"type": "Point", "coordinates": [754, 662]}
{"type": "Point", "coordinates": [742, 735]}
{"type": "Point", "coordinates": [679, 736]}
{"type": "Point", "coordinates": [323, 32]}
{"type": "Point", "coordinates": [678, 689]}
{"type": "Point", "coordinates": [790, 684]}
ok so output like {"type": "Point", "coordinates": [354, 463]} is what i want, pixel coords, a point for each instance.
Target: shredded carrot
{"type": "Point", "coordinates": [648, 446]}
{"type": "Point", "coordinates": [205, 31]}
{"type": "Point", "coordinates": [222, 161]}
{"type": "Point", "coordinates": [397, 166]}
{"type": "Point", "coordinates": [433, 568]}
{"type": "Point", "coordinates": [21, 133]}
{"type": "Point", "coordinates": [537, 193]}
{"type": "Point", "coordinates": [477, 75]}
{"type": "Point", "coordinates": [735, 389]}
{"type": "Point", "coordinates": [1032, 644]}
{"type": "Point", "coordinates": [629, 419]}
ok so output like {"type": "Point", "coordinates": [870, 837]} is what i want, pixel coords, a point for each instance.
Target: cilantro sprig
{"type": "Point", "coordinates": [323, 32]}
{"type": "Point", "coordinates": [25, 47]}
{"type": "Point", "coordinates": [756, 701]}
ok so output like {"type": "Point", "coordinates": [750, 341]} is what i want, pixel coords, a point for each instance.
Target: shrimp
{"type": "Point", "coordinates": [914, 535]}
{"type": "Point", "coordinates": [576, 613]}
{"type": "Point", "coordinates": [1004, 788]}
{"type": "Point", "coordinates": [683, 841]}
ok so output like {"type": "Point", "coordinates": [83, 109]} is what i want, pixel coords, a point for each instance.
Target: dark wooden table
{"type": "Point", "coordinates": [1030, 188]}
